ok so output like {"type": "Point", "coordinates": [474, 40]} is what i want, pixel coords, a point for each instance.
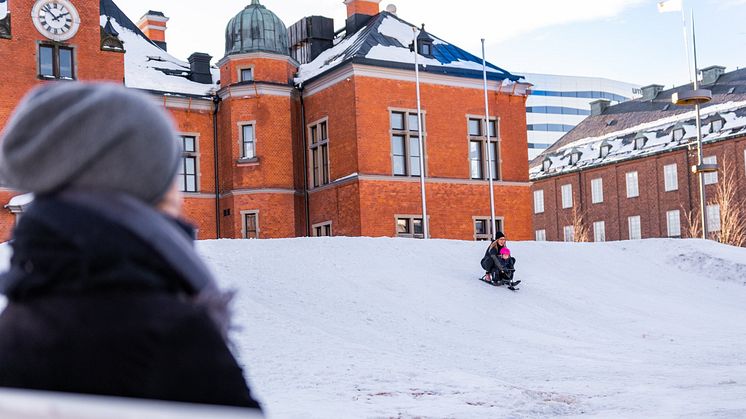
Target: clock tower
{"type": "Point", "coordinates": [44, 41]}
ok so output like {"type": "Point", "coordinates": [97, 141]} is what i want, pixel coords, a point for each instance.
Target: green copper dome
{"type": "Point", "coordinates": [256, 29]}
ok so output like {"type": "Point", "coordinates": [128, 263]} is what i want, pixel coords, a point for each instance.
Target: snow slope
{"type": "Point", "coordinates": [361, 327]}
{"type": "Point", "coordinates": [379, 327]}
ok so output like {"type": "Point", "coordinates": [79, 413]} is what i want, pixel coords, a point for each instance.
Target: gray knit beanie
{"type": "Point", "coordinates": [93, 136]}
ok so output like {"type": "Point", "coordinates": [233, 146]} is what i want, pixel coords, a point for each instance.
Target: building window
{"type": "Point", "coordinates": [4, 20]}
{"type": "Point", "coordinates": [541, 235]}
{"type": "Point", "coordinates": [713, 218]}
{"type": "Point", "coordinates": [710, 177]}
{"type": "Point", "coordinates": [405, 143]}
{"type": "Point", "coordinates": [633, 224]}
{"type": "Point", "coordinates": [673, 223]}
{"type": "Point", "coordinates": [247, 74]}
{"type": "Point", "coordinates": [409, 226]}
{"type": "Point", "coordinates": [56, 62]}
{"type": "Point", "coordinates": [322, 229]}
{"type": "Point", "coordinates": [567, 196]}
{"type": "Point", "coordinates": [187, 175]}
{"type": "Point", "coordinates": [716, 125]}
{"type": "Point", "coordinates": [678, 134]}
{"type": "Point", "coordinates": [250, 221]}
{"type": "Point", "coordinates": [599, 231]}
{"type": "Point", "coordinates": [481, 148]}
{"type": "Point", "coordinates": [319, 148]}
{"type": "Point", "coordinates": [632, 185]}
{"type": "Point", "coordinates": [483, 227]}
{"type": "Point", "coordinates": [605, 149]}
{"type": "Point", "coordinates": [539, 201]}
{"type": "Point", "coordinates": [545, 165]}
{"type": "Point", "coordinates": [597, 191]}
{"type": "Point", "coordinates": [248, 142]}
{"type": "Point", "coordinates": [640, 143]}
{"type": "Point", "coordinates": [670, 177]}
{"type": "Point", "coordinates": [569, 233]}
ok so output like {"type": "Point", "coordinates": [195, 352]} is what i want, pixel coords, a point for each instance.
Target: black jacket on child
{"type": "Point", "coordinates": [92, 308]}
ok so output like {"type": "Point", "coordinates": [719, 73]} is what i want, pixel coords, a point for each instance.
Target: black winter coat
{"type": "Point", "coordinates": [99, 313]}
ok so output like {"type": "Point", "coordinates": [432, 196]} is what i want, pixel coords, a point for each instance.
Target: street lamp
{"type": "Point", "coordinates": [697, 97]}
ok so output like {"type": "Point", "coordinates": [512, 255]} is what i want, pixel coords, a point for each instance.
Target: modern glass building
{"type": "Point", "coordinates": [558, 103]}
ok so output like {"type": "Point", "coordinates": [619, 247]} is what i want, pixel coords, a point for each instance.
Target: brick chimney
{"type": "Point", "coordinates": [359, 13]}
{"type": "Point", "coordinates": [651, 91]}
{"type": "Point", "coordinates": [599, 106]}
{"type": "Point", "coordinates": [710, 74]}
{"type": "Point", "coordinates": [362, 7]}
{"type": "Point", "coordinates": [153, 25]}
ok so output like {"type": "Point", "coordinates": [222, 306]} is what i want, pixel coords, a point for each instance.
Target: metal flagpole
{"type": "Point", "coordinates": [686, 47]}
{"type": "Point", "coordinates": [701, 175]}
{"type": "Point", "coordinates": [425, 228]}
{"type": "Point", "coordinates": [490, 157]}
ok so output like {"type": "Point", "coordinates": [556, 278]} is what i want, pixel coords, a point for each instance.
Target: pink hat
{"type": "Point", "coordinates": [504, 251]}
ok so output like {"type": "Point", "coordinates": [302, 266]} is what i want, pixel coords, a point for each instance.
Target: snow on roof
{"type": "Point", "coordinates": [144, 63]}
{"type": "Point", "coordinates": [20, 200]}
{"type": "Point", "coordinates": [386, 39]}
{"type": "Point", "coordinates": [660, 135]}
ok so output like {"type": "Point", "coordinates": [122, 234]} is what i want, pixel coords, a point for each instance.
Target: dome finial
{"type": "Point", "coordinates": [255, 2]}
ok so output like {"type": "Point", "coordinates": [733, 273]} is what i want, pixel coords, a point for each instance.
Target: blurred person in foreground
{"type": "Point", "coordinates": [106, 294]}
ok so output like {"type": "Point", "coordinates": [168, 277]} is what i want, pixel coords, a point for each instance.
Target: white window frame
{"type": "Point", "coordinates": [539, 201]}
{"type": "Point", "coordinates": [325, 227]}
{"type": "Point", "coordinates": [673, 223]}
{"type": "Point", "coordinates": [540, 235]}
{"type": "Point", "coordinates": [566, 195]}
{"type": "Point", "coordinates": [189, 154]}
{"type": "Point", "coordinates": [488, 221]}
{"type": "Point", "coordinates": [599, 231]}
{"type": "Point", "coordinates": [633, 184]}
{"type": "Point", "coordinates": [487, 141]}
{"type": "Point", "coordinates": [240, 73]}
{"type": "Point", "coordinates": [255, 213]}
{"type": "Point", "coordinates": [597, 190]}
{"type": "Point", "coordinates": [711, 178]}
{"type": "Point", "coordinates": [411, 218]}
{"type": "Point", "coordinates": [568, 233]}
{"type": "Point", "coordinates": [319, 159]}
{"type": "Point", "coordinates": [242, 144]}
{"type": "Point", "coordinates": [634, 227]}
{"type": "Point", "coordinates": [713, 218]}
{"type": "Point", "coordinates": [671, 177]}
{"type": "Point", "coordinates": [410, 153]}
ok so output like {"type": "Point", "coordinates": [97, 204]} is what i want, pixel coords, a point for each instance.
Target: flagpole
{"type": "Point", "coordinates": [420, 139]}
{"type": "Point", "coordinates": [701, 175]}
{"type": "Point", "coordinates": [490, 157]}
{"type": "Point", "coordinates": [686, 46]}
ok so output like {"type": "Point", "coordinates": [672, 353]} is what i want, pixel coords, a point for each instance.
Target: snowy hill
{"type": "Point", "coordinates": [362, 327]}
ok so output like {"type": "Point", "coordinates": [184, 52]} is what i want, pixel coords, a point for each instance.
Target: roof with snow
{"type": "Point", "coordinates": [385, 40]}
{"type": "Point", "coordinates": [146, 65]}
{"type": "Point", "coordinates": [639, 128]}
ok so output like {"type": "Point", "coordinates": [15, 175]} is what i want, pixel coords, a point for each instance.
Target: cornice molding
{"type": "Point", "coordinates": [362, 70]}
{"type": "Point", "coordinates": [255, 55]}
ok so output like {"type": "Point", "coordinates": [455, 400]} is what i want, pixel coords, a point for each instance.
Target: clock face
{"type": "Point", "coordinates": [56, 19]}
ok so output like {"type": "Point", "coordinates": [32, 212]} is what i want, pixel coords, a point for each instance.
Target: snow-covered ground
{"type": "Point", "coordinates": [363, 327]}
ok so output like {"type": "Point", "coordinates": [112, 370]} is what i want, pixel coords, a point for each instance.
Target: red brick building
{"type": "Point", "coordinates": [626, 168]}
{"type": "Point", "coordinates": [299, 131]}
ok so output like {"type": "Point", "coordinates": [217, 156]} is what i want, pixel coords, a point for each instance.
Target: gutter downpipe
{"type": "Point", "coordinates": [216, 103]}
{"type": "Point", "coordinates": [305, 162]}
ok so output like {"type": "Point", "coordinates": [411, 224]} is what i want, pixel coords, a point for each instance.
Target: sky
{"type": "Point", "coordinates": [626, 40]}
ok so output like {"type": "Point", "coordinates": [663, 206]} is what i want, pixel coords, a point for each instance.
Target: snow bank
{"type": "Point", "coordinates": [360, 327]}
{"type": "Point", "coordinates": [380, 327]}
